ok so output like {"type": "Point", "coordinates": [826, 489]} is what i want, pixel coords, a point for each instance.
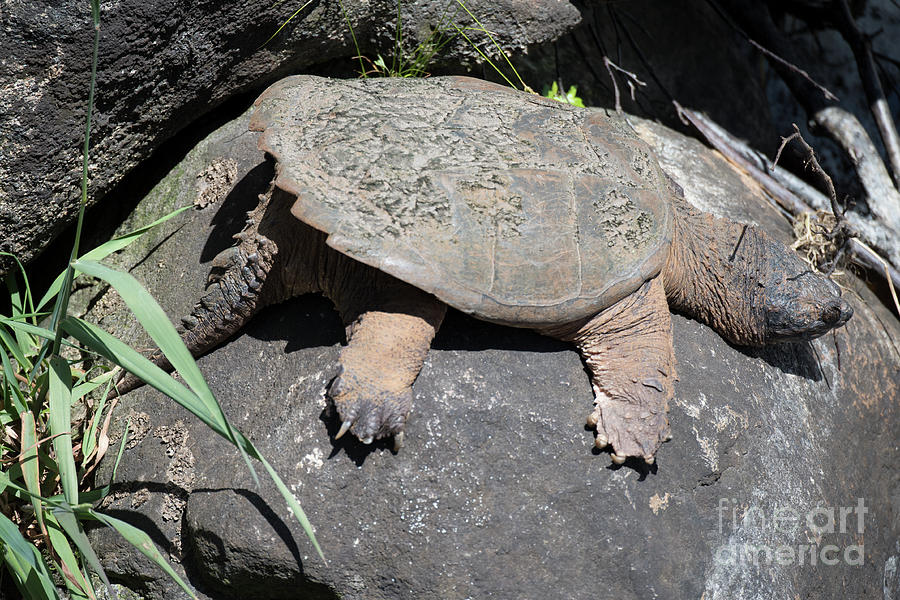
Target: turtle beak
{"type": "Point", "coordinates": [810, 311]}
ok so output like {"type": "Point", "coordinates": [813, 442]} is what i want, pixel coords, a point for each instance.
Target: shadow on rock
{"type": "Point", "coordinates": [232, 214]}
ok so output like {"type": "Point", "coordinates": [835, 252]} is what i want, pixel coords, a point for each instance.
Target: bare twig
{"type": "Point", "coordinates": [813, 162]}
{"type": "Point", "coordinates": [838, 234]}
{"type": "Point", "coordinates": [825, 91]}
{"type": "Point", "coordinates": [753, 21]}
{"type": "Point", "coordinates": [632, 79]}
{"type": "Point", "coordinates": [719, 140]}
{"type": "Point", "coordinates": [839, 124]}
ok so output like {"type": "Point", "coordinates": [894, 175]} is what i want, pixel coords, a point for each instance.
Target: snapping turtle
{"type": "Point", "coordinates": [396, 198]}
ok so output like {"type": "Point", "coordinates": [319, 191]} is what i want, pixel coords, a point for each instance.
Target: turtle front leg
{"type": "Point", "coordinates": [383, 357]}
{"type": "Point", "coordinates": [628, 350]}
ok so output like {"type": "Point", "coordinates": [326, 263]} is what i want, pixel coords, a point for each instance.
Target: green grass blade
{"type": "Point", "coordinates": [61, 306]}
{"type": "Point", "coordinates": [116, 351]}
{"type": "Point", "coordinates": [30, 583]}
{"type": "Point", "coordinates": [398, 45]}
{"type": "Point", "coordinates": [199, 401]}
{"type": "Point", "coordinates": [104, 250]}
{"type": "Point", "coordinates": [293, 504]}
{"type": "Point", "coordinates": [77, 584]}
{"type": "Point", "coordinates": [496, 45]}
{"type": "Point", "coordinates": [283, 25]}
{"type": "Point", "coordinates": [42, 332]}
{"type": "Point", "coordinates": [154, 320]}
{"type": "Point", "coordinates": [86, 385]}
{"type": "Point", "coordinates": [61, 425]}
{"type": "Point", "coordinates": [132, 361]}
{"type": "Point", "coordinates": [17, 303]}
{"type": "Point", "coordinates": [161, 330]}
{"type": "Point", "coordinates": [75, 532]}
{"type": "Point", "coordinates": [89, 443]}
{"type": "Point", "coordinates": [97, 494]}
{"type": "Point", "coordinates": [26, 563]}
{"type": "Point", "coordinates": [362, 67]}
{"type": "Point", "coordinates": [11, 279]}
{"type": "Point", "coordinates": [31, 466]}
{"type": "Point", "coordinates": [10, 384]}
{"type": "Point", "coordinates": [143, 543]}
{"type": "Point", "coordinates": [9, 345]}
{"type": "Point", "coordinates": [14, 541]}
{"type": "Point", "coordinates": [460, 31]}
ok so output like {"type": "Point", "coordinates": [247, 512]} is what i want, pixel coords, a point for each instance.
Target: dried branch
{"type": "Point", "coordinates": [724, 143]}
{"type": "Point", "coordinates": [753, 21]}
{"type": "Point", "coordinates": [797, 197]}
{"type": "Point", "coordinates": [881, 195]}
{"type": "Point", "coordinates": [632, 79]}
{"type": "Point", "coordinates": [812, 161]}
{"type": "Point", "coordinates": [839, 233]}
{"type": "Point", "coordinates": [861, 47]}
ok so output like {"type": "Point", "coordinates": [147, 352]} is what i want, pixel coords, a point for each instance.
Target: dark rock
{"type": "Point", "coordinates": [498, 491]}
{"type": "Point", "coordinates": [682, 50]}
{"type": "Point", "coordinates": [164, 65]}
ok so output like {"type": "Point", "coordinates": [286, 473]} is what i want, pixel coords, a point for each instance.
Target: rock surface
{"type": "Point", "coordinates": [498, 492]}
{"type": "Point", "coordinates": [163, 65]}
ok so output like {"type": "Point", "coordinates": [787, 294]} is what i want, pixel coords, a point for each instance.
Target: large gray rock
{"type": "Point", "coordinates": [498, 492]}
{"type": "Point", "coordinates": [163, 65]}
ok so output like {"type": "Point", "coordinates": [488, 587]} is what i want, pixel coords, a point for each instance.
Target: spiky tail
{"type": "Point", "coordinates": [233, 297]}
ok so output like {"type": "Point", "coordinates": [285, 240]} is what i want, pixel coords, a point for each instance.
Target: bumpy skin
{"type": "Point", "coordinates": [554, 221]}
{"type": "Point", "coordinates": [390, 324]}
{"type": "Point", "coordinates": [233, 295]}
{"type": "Point", "coordinates": [747, 286]}
{"type": "Point", "coordinates": [736, 279]}
{"type": "Point", "coordinates": [628, 350]}
{"type": "Point", "coordinates": [374, 396]}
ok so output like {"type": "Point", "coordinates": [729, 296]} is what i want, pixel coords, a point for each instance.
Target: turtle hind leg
{"type": "Point", "coordinates": [386, 348]}
{"type": "Point", "coordinates": [628, 351]}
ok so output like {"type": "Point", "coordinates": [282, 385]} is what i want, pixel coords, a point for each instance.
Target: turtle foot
{"type": "Point", "coordinates": [370, 412]}
{"type": "Point", "coordinates": [632, 429]}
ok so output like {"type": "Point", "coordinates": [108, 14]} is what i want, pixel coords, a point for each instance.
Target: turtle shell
{"type": "Point", "coordinates": [512, 207]}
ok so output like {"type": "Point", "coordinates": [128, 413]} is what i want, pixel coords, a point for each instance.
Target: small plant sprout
{"type": "Point", "coordinates": [570, 97]}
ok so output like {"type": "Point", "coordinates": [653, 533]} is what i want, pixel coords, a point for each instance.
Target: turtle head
{"type": "Point", "coordinates": [802, 306]}
{"type": "Point", "coordinates": [750, 288]}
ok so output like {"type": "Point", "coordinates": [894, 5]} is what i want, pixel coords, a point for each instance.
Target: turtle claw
{"type": "Point", "coordinates": [345, 426]}
{"type": "Point", "coordinates": [628, 428]}
{"type": "Point", "coordinates": [369, 413]}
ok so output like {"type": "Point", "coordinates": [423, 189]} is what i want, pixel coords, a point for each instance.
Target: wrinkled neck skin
{"type": "Point", "coordinates": [715, 274]}
{"type": "Point", "coordinates": [747, 286]}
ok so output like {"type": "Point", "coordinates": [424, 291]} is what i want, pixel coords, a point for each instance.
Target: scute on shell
{"type": "Point", "coordinates": [512, 207]}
